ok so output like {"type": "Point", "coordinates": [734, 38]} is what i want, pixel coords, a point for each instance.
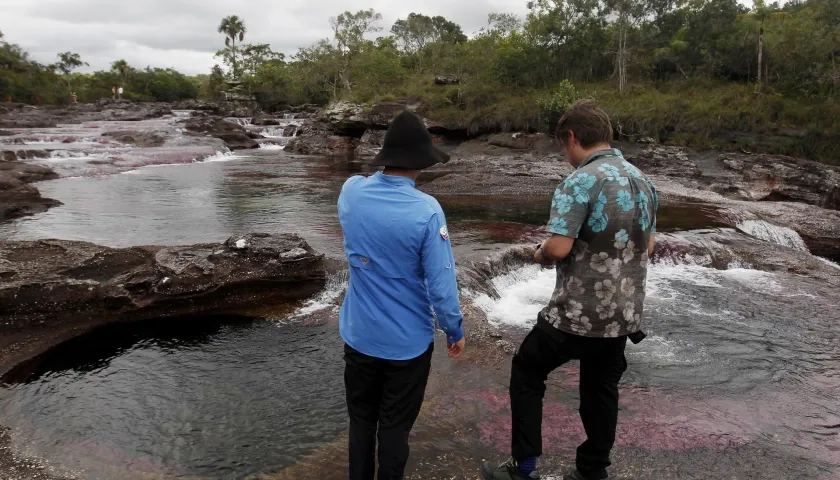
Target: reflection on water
{"type": "Point", "coordinates": [264, 191]}
{"type": "Point", "coordinates": [220, 398]}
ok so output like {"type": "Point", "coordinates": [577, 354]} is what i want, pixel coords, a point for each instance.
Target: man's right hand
{"type": "Point", "coordinates": [456, 349]}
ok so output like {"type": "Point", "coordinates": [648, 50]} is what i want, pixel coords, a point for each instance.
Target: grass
{"type": "Point", "coordinates": [694, 112]}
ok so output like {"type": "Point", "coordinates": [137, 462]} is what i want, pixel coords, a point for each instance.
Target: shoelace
{"type": "Point", "coordinates": [510, 463]}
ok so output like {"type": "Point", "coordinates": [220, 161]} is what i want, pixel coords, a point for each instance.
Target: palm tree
{"type": "Point", "coordinates": [121, 68]}
{"type": "Point", "coordinates": [233, 27]}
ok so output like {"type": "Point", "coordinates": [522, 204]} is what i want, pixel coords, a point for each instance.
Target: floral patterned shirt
{"type": "Point", "coordinates": [609, 207]}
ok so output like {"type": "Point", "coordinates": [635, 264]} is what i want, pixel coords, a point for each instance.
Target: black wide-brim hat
{"type": "Point", "coordinates": [408, 145]}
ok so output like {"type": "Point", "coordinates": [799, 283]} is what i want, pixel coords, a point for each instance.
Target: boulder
{"type": "Point", "coordinates": [370, 144]}
{"type": "Point", "coordinates": [290, 131]}
{"type": "Point", "coordinates": [239, 141]}
{"type": "Point", "coordinates": [235, 136]}
{"type": "Point", "coordinates": [17, 198]}
{"type": "Point", "coordinates": [346, 118]}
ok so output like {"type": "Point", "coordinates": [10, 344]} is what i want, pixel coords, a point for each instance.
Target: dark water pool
{"type": "Point", "coordinates": [210, 398]}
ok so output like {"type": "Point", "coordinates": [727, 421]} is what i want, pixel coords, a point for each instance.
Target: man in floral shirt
{"type": "Point", "coordinates": [603, 221]}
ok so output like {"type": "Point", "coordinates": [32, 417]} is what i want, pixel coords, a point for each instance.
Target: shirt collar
{"type": "Point", "coordinates": [607, 152]}
{"type": "Point", "coordinates": [395, 180]}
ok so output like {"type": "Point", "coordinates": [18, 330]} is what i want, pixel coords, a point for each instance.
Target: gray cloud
{"type": "Point", "coordinates": [182, 33]}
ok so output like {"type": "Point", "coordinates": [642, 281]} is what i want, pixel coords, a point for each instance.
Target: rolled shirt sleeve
{"type": "Point", "coordinates": [439, 271]}
{"type": "Point", "coordinates": [570, 206]}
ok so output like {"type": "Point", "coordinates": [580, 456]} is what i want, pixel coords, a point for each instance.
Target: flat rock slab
{"type": "Point", "coordinates": [51, 285]}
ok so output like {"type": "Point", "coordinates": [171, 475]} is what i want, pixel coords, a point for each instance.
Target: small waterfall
{"type": "Point", "coordinates": [273, 132]}
{"type": "Point", "coordinates": [329, 297]}
{"type": "Point", "coordinates": [773, 233]}
{"type": "Point", "coordinates": [288, 116]}
{"type": "Point", "coordinates": [241, 121]}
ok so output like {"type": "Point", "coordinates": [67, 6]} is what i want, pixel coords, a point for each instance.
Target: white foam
{"type": "Point", "coordinates": [327, 299]}
{"type": "Point", "coordinates": [523, 293]}
{"type": "Point", "coordinates": [527, 290]}
{"type": "Point", "coordinates": [829, 262]}
{"type": "Point", "coordinates": [221, 157]}
{"type": "Point", "coordinates": [271, 146]}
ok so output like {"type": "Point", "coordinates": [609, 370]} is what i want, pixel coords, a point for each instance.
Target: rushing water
{"type": "Point", "coordinates": [736, 360]}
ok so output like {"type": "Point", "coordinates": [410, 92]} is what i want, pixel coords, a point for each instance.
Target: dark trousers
{"type": "Point", "coordinates": [383, 399]}
{"type": "Point", "coordinates": [602, 364]}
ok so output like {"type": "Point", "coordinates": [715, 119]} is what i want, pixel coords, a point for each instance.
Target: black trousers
{"type": "Point", "coordinates": [602, 363]}
{"type": "Point", "coordinates": [383, 399]}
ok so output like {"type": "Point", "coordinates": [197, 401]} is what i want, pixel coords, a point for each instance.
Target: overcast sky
{"type": "Point", "coordinates": [182, 33]}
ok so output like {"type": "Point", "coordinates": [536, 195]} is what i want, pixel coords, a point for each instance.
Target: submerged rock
{"type": "Point", "coordinates": [137, 138]}
{"type": "Point", "coordinates": [67, 286]}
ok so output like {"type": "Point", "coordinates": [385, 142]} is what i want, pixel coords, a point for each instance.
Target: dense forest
{"type": "Point", "coordinates": [689, 69]}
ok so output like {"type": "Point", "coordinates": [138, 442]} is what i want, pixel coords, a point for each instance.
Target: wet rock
{"type": "Point", "coordinates": [137, 138]}
{"type": "Point", "coordinates": [12, 155]}
{"type": "Point", "coordinates": [290, 131]}
{"type": "Point", "coordinates": [6, 133]}
{"type": "Point", "coordinates": [77, 285]}
{"type": "Point", "coordinates": [521, 141]}
{"type": "Point", "coordinates": [17, 198]}
{"type": "Point", "coordinates": [370, 144]}
{"type": "Point", "coordinates": [316, 139]}
{"type": "Point", "coordinates": [265, 121]}
{"type": "Point", "coordinates": [780, 178]}
{"type": "Point", "coordinates": [235, 136]}
{"type": "Point", "coordinates": [723, 248]}
{"type": "Point", "coordinates": [671, 161]}
{"type": "Point", "coordinates": [346, 118]}
{"type": "Point", "coordinates": [199, 105]}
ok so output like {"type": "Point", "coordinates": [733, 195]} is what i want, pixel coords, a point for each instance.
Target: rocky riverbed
{"type": "Point", "coordinates": [738, 296]}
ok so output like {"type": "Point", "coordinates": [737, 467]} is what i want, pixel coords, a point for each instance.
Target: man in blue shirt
{"type": "Point", "coordinates": [402, 276]}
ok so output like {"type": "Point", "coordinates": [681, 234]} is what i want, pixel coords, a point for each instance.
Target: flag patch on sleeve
{"type": "Point", "coordinates": [444, 233]}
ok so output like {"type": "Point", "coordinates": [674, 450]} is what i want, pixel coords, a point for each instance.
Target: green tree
{"type": "Point", "coordinates": [349, 31]}
{"type": "Point", "coordinates": [121, 68]}
{"type": "Point", "coordinates": [67, 62]}
{"type": "Point", "coordinates": [233, 27]}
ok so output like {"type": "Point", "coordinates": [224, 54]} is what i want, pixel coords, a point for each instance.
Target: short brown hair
{"type": "Point", "coordinates": [590, 124]}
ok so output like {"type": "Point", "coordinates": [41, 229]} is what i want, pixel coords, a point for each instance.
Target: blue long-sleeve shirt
{"type": "Point", "coordinates": [402, 270]}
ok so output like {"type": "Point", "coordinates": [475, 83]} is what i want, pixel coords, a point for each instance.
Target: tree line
{"type": "Point", "coordinates": [788, 49]}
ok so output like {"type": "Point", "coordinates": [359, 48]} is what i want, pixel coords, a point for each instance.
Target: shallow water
{"type": "Point", "coordinates": [213, 398]}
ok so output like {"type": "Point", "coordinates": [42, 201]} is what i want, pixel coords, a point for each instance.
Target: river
{"type": "Point", "coordinates": [737, 379]}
